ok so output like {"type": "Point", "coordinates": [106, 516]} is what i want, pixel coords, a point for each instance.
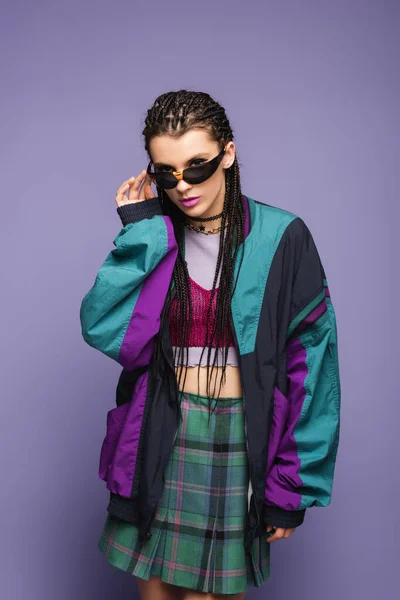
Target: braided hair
{"type": "Point", "coordinates": [173, 114]}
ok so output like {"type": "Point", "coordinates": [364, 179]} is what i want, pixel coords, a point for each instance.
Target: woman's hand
{"type": "Point", "coordinates": [134, 195]}
{"type": "Point", "coordinates": [279, 533]}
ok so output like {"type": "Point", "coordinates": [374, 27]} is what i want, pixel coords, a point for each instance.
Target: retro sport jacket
{"type": "Point", "coordinates": [285, 330]}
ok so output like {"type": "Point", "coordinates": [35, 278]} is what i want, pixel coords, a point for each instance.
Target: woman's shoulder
{"type": "Point", "coordinates": [277, 226]}
{"type": "Point", "coordinates": [274, 220]}
{"type": "Point", "coordinates": [268, 209]}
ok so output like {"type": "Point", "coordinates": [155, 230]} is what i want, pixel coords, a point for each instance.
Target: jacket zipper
{"type": "Point", "coordinates": [245, 425]}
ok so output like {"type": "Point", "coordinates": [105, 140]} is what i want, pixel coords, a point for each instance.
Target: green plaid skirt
{"type": "Point", "coordinates": [198, 529]}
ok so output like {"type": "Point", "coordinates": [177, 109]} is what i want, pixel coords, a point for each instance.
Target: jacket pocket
{"type": "Point", "coordinates": [120, 446]}
{"type": "Point", "coordinates": [115, 419]}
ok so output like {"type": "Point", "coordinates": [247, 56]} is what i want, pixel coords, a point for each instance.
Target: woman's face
{"type": "Point", "coordinates": [193, 148]}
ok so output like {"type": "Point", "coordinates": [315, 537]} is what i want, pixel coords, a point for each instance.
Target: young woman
{"type": "Point", "coordinates": [217, 307]}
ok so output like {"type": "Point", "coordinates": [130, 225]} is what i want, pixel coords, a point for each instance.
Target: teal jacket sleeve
{"type": "Point", "coordinates": [120, 314]}
{"type": "Point", "coordinates": [306, 420]}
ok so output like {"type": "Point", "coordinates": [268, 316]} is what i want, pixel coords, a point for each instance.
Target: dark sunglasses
{"type": "Point", "coordinates": [197, 174]}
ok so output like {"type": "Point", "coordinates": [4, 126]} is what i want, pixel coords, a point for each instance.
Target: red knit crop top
{"type": "Point", "coordinates": [198, 334]}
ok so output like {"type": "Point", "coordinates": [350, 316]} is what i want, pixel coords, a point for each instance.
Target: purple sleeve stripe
{"type": "Point", "coordinates": [138, 342]}
{"type": "Point", "coordinates": [283, 465]}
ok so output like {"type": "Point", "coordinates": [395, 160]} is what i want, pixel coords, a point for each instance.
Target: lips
{"type": "Point", "coordinates": [191, 201]}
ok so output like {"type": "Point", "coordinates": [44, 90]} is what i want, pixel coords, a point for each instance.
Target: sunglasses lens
{"type": "Point", "coordinates": [200, 173]}
{"type": "Point", "coordinates": [196, 175]}
{"type": "Point", "coordinates": [164, 180]}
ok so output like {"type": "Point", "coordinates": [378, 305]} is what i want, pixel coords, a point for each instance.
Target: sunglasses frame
{"type": "Point", "coordinates": [214, 162]}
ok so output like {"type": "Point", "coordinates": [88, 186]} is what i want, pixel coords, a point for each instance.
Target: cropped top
{"type": "Point", "coordinates": [201, 253]}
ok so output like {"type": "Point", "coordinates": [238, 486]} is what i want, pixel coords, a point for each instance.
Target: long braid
{"type": "Point", "coordinates": [174, 113]}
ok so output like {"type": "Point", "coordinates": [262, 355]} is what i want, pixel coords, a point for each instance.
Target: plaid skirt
{"type": "Point", "coordinates": [198, 529]}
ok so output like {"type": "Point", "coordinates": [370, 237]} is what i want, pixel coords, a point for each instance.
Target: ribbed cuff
{"type": "Point", "coordinates": [273, 515]}
{"type": "Point", "coordinates": [136, 211]}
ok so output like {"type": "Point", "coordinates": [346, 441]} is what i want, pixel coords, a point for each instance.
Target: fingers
{"type": "Point", "coordinates": [131, 186]}
{"type": "Point", "coordinates": [120, 193]}
{"type": "Point", "coordinates": [279, 533]}
{"type": "Point", "coordinates": [150, 189]}
{"type": "Point", "coordinates": [134, 187]}
{"type": "Point", "coordinates": [276, 535]}
{"type": "Point", "coordinates": [146, 192]}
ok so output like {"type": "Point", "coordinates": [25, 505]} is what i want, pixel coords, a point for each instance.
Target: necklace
{"type": "Point", "coordinates": [202, 229]}
{"type": "Point", "coordinates": [208, 218]}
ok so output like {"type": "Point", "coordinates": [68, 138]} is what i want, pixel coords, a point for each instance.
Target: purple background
{"type": "Point", "coordinates": [312, 92]}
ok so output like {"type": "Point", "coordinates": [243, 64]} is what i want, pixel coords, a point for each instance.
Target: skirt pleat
{"type": "Point", "coordinates": [198, 529]}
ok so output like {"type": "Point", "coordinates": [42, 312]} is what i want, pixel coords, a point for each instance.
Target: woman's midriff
{"type": "Point", "coordinates": [196, 381]}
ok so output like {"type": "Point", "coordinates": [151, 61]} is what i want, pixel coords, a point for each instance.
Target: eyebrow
{"type": "Point", "coordinates": [198, 155]}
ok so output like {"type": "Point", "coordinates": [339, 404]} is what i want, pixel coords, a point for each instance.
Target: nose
{"type": "Point", "coordinates": [183, 187]}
